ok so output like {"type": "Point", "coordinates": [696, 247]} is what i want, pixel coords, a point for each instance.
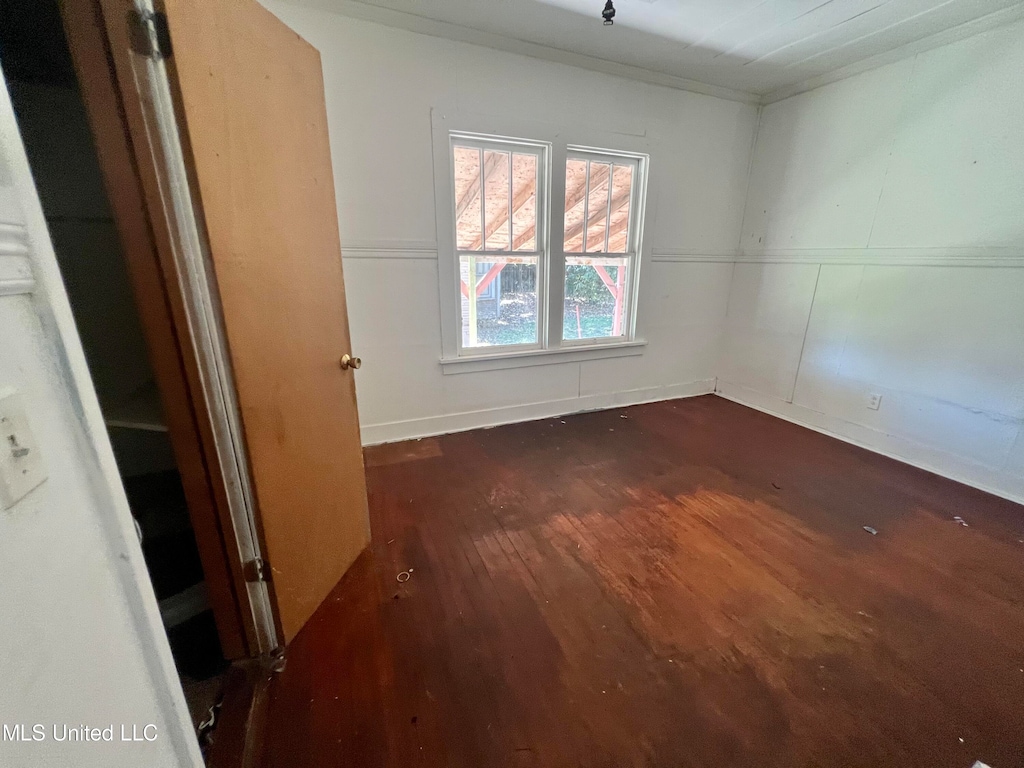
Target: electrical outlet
{"type": "Point", "coordinates": [874, 400]}
{"type": "Point", "coordinates": [21, 463]}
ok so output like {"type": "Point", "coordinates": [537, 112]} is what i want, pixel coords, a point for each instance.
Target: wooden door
{"type": "Point", "coordinates": [167, 341]}
{"type": "Point", "coordinates": [249, 101]}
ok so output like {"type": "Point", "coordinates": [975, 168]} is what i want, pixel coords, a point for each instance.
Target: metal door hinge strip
{"type": "Point", "coordinates": [256, 570]}
{"type": "Point", "coordinates": [149, 34]}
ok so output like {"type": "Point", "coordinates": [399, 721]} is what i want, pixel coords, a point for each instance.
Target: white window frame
{"type": "Point", "coordinates": [638, 194]}
{"type": "Point", "coordinates": [503, 134]}
{"type": "Point", "coordinates": [542, 151]}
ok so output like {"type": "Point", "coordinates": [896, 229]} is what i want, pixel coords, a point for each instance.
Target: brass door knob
{"type": "Point", "coordinates": [347, 361]}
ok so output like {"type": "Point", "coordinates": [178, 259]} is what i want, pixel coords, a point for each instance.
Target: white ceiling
{"type": "Point", "coordinates": [756, 46]}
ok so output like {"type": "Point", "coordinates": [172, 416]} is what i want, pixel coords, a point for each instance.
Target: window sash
{"type": "Point", "coordinates": [540, 255]}
{"type": "Point", "coordinates": [620, 261]}
{"type": "Point", "coordinates": [633, 234]}
{"type": "Point", "coordinates": [614, 159]}
{"type": "Point", "coordinates": [511, 147]}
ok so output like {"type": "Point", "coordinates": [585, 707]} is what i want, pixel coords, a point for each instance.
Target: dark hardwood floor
{"type": "Point", "coordinates": [687, 583]}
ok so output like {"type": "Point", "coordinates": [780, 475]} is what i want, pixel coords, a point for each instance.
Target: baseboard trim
{"type": "Point", "coordinates": [412, 429]}
{"type": "Point", "coordinates": [900, 449]}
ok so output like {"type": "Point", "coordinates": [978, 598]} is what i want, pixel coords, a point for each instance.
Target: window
{"type": "Point", "coordinates": [521, 291]}
{"type": "Point", "coordinates": [599, 243]}
{"type": "Point", "coordinates": [500, 240]}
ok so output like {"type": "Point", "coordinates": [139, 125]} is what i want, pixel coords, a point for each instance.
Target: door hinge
{"type": "Point", "coordinates": [275, 660]}
{"type": "Point", "coordinates": [149, 34]}
{"type": "Point", "coordinates": [256, 569]}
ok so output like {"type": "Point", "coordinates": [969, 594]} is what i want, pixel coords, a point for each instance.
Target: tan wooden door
{"type": "Point", "coordinates": [250, 101]}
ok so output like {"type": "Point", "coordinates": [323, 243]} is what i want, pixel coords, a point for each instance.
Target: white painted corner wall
{"type": "Point", "coordinates": [81, 639]}
{"type": "Point", "coordinates": [864, 237]}
{"type": "Point", "coordinates": [883, 252]}
{"type": "Point", "coordinates": [381, 85]}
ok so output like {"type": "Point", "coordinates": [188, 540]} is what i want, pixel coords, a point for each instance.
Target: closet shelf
{"type": "Point", "coordinates": [141, 411]}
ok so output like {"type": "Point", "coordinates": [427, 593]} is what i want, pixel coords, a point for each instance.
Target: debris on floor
{"type": "Point", "coordinates": [204, 732]}
{"type": "Point", "coordinates": [406, 574]}
{"type": "Point", "coordinates": [870, 530]}
{"type": "Point", "coordinates": [776, 486]}
{"type": "Point", "coordinates": [960, 520]}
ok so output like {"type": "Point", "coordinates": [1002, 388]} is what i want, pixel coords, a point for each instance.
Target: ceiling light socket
{"type": "Point", "coordinates": [608, 14]}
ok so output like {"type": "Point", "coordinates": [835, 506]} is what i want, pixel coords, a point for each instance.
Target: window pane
{"type": "Point", "coordinates": [597, 207]}
{"type": "Point", "coordinates": [575, 192]}
{"type": "Point", "coordinates": [595, 298]}
{"type": "Point", "coordinates": [504, 308]}
{"type": "Point", "coordinates": [622, 193]}
{"type": "Point", "coordinates": [496, 199]}
{"type": "Point", "coordinates": [467, 198]}
{"type": "Point", "coordinates": [524, 202]}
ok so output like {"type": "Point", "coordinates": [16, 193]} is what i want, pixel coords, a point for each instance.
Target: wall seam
{"type": "Point", "coordinates": [750, 173]}
{"type": "Point", "coordinates": [846, 334]}
{"type": "Point", "coordinates": [723, 331]}
{"type": "Point", "coordinates": [803, 343]}
{"type": "Point", "coordinates": [892, 148]}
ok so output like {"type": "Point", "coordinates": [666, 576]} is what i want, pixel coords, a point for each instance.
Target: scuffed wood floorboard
{"type": "Point", "coordinates": [686, 583]}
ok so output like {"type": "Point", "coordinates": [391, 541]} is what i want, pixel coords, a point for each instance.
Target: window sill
{"type": "Point", "coordinates": [534, 357]}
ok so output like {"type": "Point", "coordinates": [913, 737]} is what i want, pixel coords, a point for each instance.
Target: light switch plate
{"type": "Point", "coordinates": [21, 463]}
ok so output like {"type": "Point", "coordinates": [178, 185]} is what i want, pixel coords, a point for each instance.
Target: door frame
{"type": "Point", "coordinates": [168, 263]}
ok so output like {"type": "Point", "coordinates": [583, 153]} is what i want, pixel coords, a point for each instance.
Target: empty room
{"type": "Point", "coordinates": [543, 383]}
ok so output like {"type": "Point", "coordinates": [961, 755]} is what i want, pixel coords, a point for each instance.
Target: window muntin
{"type": "Point", "coordinates": [500, 187]}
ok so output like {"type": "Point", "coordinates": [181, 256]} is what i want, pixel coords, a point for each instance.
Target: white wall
{"type": "Point", "coordinates": [81, 641]}
{"type": "Point", "coordinates": [880, 250]}
{"type": "Point", "coordinates": [884, 253]}
{"type": "Point", "coordinates": [381, 84]}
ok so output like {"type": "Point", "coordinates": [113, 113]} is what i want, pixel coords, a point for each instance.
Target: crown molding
{"type": "Point", "coordinates": [412, 22]}
{"type": "Point", "coordinates": [963, 31]}
{"type": "Point", "coordinates": [423, 25]}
